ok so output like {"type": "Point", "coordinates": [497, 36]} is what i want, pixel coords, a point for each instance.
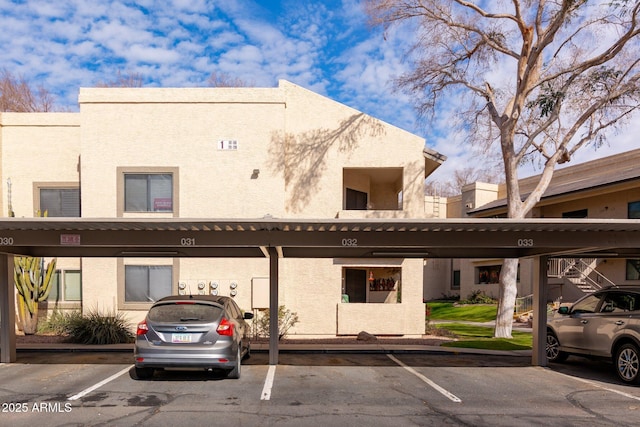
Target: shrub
{"type": "Point", "coordinates": [286, 320]}
{"type": "Point", "coordinates": [97, 328]}
{"type": "Point", "coordinates": [478, 297]}
{"type": "Point", "coordinates": [58, 322]}
{"type": "Point", "coordinates": [450, 297]}
{"type": "Point", "coordinates": [439, 332]}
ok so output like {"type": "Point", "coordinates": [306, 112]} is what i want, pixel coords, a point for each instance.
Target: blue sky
{"type": "Point", "coordinates": [325, 46]}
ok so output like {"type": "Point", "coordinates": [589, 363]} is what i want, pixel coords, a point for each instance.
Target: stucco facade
{"type": "Point", "coordinates": [604, 188]}
{"type": "Point", "coordinates": [283, 152]}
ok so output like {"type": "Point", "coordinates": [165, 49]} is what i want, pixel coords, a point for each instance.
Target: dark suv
{"type": "Point", "coordinates": [605, 324]}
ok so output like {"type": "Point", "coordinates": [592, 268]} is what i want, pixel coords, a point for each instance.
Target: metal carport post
{"type": "Point", "coordinates": [274, 333]}
{"type": "Point", "coordinates": [7, 310]}
{"type": "Point", "coordinates": [540, 288]}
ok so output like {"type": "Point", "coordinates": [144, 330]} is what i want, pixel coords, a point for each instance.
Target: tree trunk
{"type": "Point", "coordinates": [507, 300]}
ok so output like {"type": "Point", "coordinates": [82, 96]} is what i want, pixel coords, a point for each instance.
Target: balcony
{"type": "Point", "coordinates": [372, 193]}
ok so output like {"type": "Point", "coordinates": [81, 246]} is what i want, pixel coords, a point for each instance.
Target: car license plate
{"type": "Point", "coordinates": [180, 338]}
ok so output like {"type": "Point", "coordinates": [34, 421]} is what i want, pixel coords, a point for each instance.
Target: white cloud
{"type": "Point", "coordinates": [323, 46]}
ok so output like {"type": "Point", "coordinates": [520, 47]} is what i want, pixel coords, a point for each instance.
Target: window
{"type": "Point", "coordinates": [148, 192]}
{"type": "Point", "coordinates": [582, 213]}
{"type": "Point", "coordinates": [633, 210]}
{"type": "Point", "coordinates": [60, 202]}
{"type": "Point", "coordinates": [620, 302]}
{"type": "Point", "coordinates": [633, 269]}
{"type": "Point", "coordinates": [490, 274]}
{"type": "Point", "coordinates": [147, 283]}
{"type": "Point", "coordinates": [66, 285]}
{"type": "Point", "coordinates": [372, 285]}
{"type": "Point", "coordinates": [455, 280]}
{"type": "Point", "coordinates": [587, 305]}
{"type": "Point", "coordinates": [173, 313]}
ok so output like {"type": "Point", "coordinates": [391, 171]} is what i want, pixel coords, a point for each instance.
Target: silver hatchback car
{"type": "Point", "coordinates": [193, 331]}
{"type": "Point", "coordinates": [605, 324]}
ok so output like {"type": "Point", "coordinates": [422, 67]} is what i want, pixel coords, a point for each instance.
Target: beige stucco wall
{"type": "Point", "coordinates": [613, 204]}
{"type": "Point", "coordinates": [299, 141]}
{"type": "Point", "coordinates": [168, 128]}
{"type": "Point", "coordinates": [610, 201]}
{"type": "Point", "coordinates": [38, 149]}
{"type": "Point", "coordinates": [477, 194]}
{"type": "Point", "coordinates": [322, 137]}
{"type": "Point", "coordinates": [438, 279]}
{"type": "Point", "coordinates": [387, 319]}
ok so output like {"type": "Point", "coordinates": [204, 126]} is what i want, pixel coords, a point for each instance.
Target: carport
{"type": "Point", "coordinates": [299, 238]}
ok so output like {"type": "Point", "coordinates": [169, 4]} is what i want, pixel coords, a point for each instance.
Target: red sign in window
{"type": "Point", "coordinates": [162, 204]}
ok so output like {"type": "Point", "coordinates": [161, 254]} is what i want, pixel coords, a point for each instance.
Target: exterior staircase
{"type": "Point", "coordinates": [580, 272]}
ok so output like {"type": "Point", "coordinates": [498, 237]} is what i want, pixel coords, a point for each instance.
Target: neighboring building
{"type": "Point", "coordinates": [604, 188]}
{"type": "Point", "coordinates": [225, 153]}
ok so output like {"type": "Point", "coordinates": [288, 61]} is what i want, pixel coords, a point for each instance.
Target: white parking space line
{"type": "Point", "coordinates": [268, 383]}
{"type": "Point", "coordinates": [100, 384]}
{"type": "Point", "coordinates": [621, 393]}
{"type": "Point", "coordinates": [444, 392]}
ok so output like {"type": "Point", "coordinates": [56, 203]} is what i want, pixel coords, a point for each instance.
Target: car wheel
{"type": "Point", "coordinates": [553, 349]}
{"type": "Point", "coordinates": [628, 364]}
{"type": "Point", "coordinates": [143, 373]}
{"type": "Point", "coordinates": [235, 372]}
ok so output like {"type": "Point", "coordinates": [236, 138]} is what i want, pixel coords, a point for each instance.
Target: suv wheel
{"type": "Point", "coordinates": [553, 349]}
{"type": "Point", "coordinates": [627, 364]}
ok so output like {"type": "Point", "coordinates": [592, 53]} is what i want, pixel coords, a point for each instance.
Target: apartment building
{"type": "Point", "coordinates": [224, 153]}
{"type": "Point", "coordinates": [604, 188]}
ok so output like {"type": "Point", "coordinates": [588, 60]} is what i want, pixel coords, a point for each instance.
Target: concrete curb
{"type": "Point", "coordinates": [286, 348]}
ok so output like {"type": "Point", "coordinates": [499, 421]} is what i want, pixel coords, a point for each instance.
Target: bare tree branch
{"type": "Point", "coordinates": [16, 95]}
{"type": "Point", "coordinates": [572, 75]}
{"type": "Point", "coordinates": [124, 80]}
{"type": "Point", "coordinates": [217, 79]}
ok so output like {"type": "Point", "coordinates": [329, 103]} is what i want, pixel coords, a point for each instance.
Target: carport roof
{"type": "Point", "coordinates": [319, 238]}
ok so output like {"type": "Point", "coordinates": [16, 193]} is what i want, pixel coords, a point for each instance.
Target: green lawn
{"type": "Point", "coordinates": [473, 336]}
{"type": "Point", "coordinates": [468, 313]}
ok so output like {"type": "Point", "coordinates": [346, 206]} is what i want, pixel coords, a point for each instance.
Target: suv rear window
{"type": "Point", "coordinates": [184, 313]}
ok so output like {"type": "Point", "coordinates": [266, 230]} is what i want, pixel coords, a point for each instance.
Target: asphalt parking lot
{"type": "Point", "coordinates": [444, 389]}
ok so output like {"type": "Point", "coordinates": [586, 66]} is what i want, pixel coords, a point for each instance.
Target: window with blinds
{"type": "Point", "coordinates": [60, 202]}
{"type": "Point", "coordinates": [148, 192]}
{"type": "Point", "coordinates": [147, 283]}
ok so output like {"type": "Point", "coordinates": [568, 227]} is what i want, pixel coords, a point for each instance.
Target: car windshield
{"type": "Point", "coordinates": [176, 312]}
{"type": "Point", "coordinates": [587, 305]}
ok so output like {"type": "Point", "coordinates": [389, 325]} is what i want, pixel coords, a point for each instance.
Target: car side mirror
{"type": "Point", "coordinates": [563, 310]}
{"type": "Point", "coordinates": [248, 315]}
